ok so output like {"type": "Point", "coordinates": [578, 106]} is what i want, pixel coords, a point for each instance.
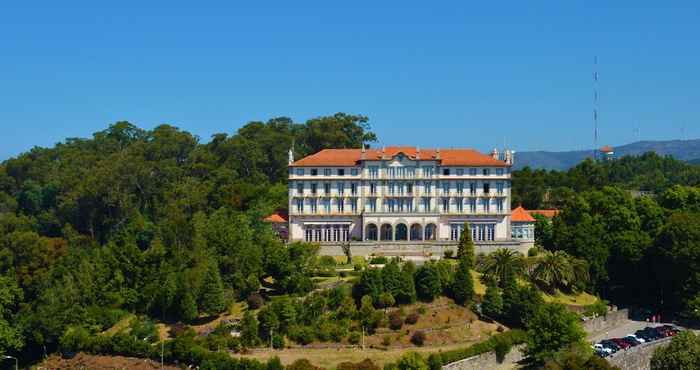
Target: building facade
{"type": "Point", "coordinates": [406, 199]}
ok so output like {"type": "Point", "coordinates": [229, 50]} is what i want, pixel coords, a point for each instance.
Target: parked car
{"type": "Point", "coordinates": [623, 344]}
{"type": "Point", "coordinates": [608, 343]}
{"type": "Point", "coordinates": [601, 348]}
{"type": "Point", "coordinates": [634, 339]}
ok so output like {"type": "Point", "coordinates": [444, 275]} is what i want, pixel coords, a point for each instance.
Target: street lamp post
{"type": "Point", "coordinates": [13, 358]}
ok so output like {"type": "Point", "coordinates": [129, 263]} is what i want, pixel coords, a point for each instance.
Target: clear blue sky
{"type": "Point", "coordinates": [462, 73]}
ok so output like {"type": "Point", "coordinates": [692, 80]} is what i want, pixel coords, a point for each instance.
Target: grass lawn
{"type": "Point", "coordinates": [580, 299]}
{"type": "Point", "coordinates": [331, 357]}
{"type": "Point", "coordinates": [479, 287]}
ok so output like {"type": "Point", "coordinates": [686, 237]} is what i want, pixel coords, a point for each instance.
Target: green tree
{"type": "Point", "coordinates": [371, 284]}
{"type": "Point", "coordinates": [249, 330]}
{"type": "Point", "coordinates": [551, 329]}
{"type": "Point", "coordinates": [428, 284]}
{"type": "Point", "coordinates": [492, 305]}
{"type": "Point", "coordinates": [406, 293]}
{"type": "Point", "coordinates": [465, 249]}
{"type": "Point", "coordinates": [10, 297]}
{"type": "Point", "coordinates": [463, 285]}
{"type": "Point", "coordinates": [211, 299]}
{"type": "Point", "coordinates": [503, 264]}
{"type": "Point", "coordinates": [682, 354]}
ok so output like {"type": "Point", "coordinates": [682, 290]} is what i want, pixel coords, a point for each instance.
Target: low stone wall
{"type": "Point", "coordinates": [434, 249]}
{"type": "Point", "coordinates": [639, 357]}
{"type": "Point", "coordinates": [604, 323]}
{"type": "Point", "coordinates": [488, 361]}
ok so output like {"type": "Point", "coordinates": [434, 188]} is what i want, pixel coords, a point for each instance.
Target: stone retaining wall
{"type": "Point", "coordinates": [639, 357]}
{"type": "Point", "coordinates": [604, 323]}
{"type": "Point", "coordinates": [488, 361]}
{"type": "Point", "coordinates": [435, 249]}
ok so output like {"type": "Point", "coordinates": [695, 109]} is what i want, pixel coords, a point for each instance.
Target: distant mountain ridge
{"type": "Point", "coordinates": [685, 150]}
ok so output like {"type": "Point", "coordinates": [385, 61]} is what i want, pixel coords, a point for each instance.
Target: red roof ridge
{"type": "Point", "coordinates": [351, 156]}
{"type": "Point", "coordinates": [521, 215]}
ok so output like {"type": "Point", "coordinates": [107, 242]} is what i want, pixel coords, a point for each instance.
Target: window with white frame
{"type": "Point", "coordinates": [374, 172]}
{"type": "Point", "coordinates": [300, 205]}
{"type": "Point", "coordinates": [300, 172]}
{"type": "Point", "coordinates": [353, 188]}
{"type": "Point", "coordinates": [353, 172]}
{"type": "Point", "coordinates": [428, 186]}
{"type": "Point", "coordinates": [300, 188]}
{"type": "Point", "coordinates": [460, 171]}
{"type": "Point", "coordinates": [445, 205]}
{"type": "Point", "coordinates": [341, 204]}
{"type": "Point", "coordinates": [341, 188]}
{"type": "Point", "coordinates": [313, 205]}
{"type": "Point", "coordinates": [499, 187]}
{"type": "Point", "coordinates": [326, 172]}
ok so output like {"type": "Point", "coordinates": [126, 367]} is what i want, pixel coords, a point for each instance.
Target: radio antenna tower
{"type": "Point", "coordinates": [595, 107]}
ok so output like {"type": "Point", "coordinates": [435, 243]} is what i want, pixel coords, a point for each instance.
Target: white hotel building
{"type": "Point", "coordinates": [405, 200]}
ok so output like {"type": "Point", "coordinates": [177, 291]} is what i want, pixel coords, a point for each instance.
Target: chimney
{"type": "Point", "coordinates": [291, 156]}
{"type": "Point", "coordinates": [437, 153]}
{"type": "Point", "coordinates": [383, 152]}
{"type": "Point", "coordinates": [418, 152]}
{"type": "Point", "coordinates": [494, 154]}
{"type": "Point", "coordinates": [362, 152]}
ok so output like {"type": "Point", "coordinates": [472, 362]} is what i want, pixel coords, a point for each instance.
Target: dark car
{"type": "Point", "coordinates": [652, 333]}
{"type": "Point", "coordinates": [623, 344]}
{"type": "Point", "coordinates": [671, 330]}
{"type": "Point", "coordinates": [663, 331]}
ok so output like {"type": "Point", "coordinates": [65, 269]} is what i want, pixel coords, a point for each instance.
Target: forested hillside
{"type": "Point", "coordinates": [152, 222]}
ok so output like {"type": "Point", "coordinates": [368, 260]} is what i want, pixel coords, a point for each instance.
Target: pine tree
{"type": "Point", "coordinates": [211, 300]}
{"type": "Point", "coordinates": [463, 286]}
{"type": "Point", "coordinates": [492, 306]}
{"type": "Point", "coordinates": [406, 293]}
{"type": "Point", "coordinates": [466, 246]}
{"type": "Point", "coordinates": [187, 307]}
{"type": "Point", "coordinates": [249, 330]}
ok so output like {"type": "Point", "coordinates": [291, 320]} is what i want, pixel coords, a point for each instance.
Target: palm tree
{"type": "Point", "coordinates": [502, 264]}
{"type": "Point", "coordinates": [553, 269]}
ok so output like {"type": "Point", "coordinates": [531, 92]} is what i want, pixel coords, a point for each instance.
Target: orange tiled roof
{"type": "Point", "coordinates": [351, 157]}
{"type": "Point", "coordinates": [276, 218]}
{"type": "Point", "coordinates": [606, 149]}
{"type": "Point", "coordinates": [549, 213]}
{"type": "Point", "coordinates": [521, 215]}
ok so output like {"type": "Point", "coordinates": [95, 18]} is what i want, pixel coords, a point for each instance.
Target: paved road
{"type": "Point", "coordinates": [629, 327]}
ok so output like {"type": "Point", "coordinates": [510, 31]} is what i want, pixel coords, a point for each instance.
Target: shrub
{"type": "Point", "coordinates": [302, 334]}
{"type": "Point", "coordinates": [422, 310]}
{"type": "Point", "coordinates": [395, 320]}
{"type": "Point", "coordinates": [354, 337]}
{"type": "Point", "coordinates": [302, 364]}
{"type": "Point", "coordinates": [386, 340]}
{"type": "Point", "coordinates": [412, 318]}
{"type": "Point", "coordinates": [366, 364]}
{"type": "Point", "coordinates": [379, 260]}
{"type": "Point", "coordinates": [255, 301]}
{"type": "Point", "coordinates": [449, 253]}
{"type": "Point", "coordinates": [435, 361]}
{"type": "Point", "coordinates": [599, 308]}
{"type": "Point", "coordinates": [277, 341]}
{"type": "Point", "coordinates": [144, 330]}
{"type": "Point", "coordinates": [412, 361]}
{"type": "Point", "coordinates": [418, 338]}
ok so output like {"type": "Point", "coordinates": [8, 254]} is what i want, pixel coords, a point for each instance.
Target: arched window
{"type": "Point", "coordinates": [371, 232]}
{"type": "Point", "coordinates": [401, 232]}
{"type": "Point", "coordinates": [430, 231]}
{"type": "Point", "coordinates": [416, 232]}
{"type": "Point", "coordinates": [387, 232]}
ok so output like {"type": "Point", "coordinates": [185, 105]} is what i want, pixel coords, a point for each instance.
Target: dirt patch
{"type": "Point", "coordinates": [84, 361]}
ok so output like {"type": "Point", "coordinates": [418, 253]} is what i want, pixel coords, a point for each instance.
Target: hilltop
{"type": "Point", "coordinates": [686, 150]}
